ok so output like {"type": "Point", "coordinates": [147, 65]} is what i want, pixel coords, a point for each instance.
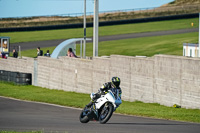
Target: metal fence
{"type": "Point", "coordinates": [72, 18]}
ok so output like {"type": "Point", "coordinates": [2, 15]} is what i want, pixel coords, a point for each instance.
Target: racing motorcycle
{"type": "Point", "coordinates": [102, 109]}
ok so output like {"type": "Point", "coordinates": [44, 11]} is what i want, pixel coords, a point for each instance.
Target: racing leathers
{"type": "Point", "coordinates": [102, 91]}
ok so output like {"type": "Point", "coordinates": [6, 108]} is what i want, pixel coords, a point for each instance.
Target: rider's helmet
{"type": "Point", "coordinates": [115, 82]}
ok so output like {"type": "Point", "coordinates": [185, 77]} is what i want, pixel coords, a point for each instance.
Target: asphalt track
{"type": "Point", "coordinates": [16, 115]}
{"type": "Point", "coordinates": [50, 43]}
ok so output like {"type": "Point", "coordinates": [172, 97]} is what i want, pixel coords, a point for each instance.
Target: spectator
{"type": "Point", "coordinates": [3, 55]}
{"type": "Point", "coordinates": [39, 52]}
{"type": "Point", "coordinates": [15, 53]}
{"type": "Point", "coordinates": [70, 53]}
{"type": "Point", "coordinates": [47, 54]}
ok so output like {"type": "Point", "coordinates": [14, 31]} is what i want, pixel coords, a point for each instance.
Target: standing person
{"type": "Point", "coordinates": [47, 54]}
{"type": "Point", "coordinates": [70, 53]}
{"type": "Point", "coordinates": [15, 53]}
{"type": "Point", "coordinates": [39, 52]}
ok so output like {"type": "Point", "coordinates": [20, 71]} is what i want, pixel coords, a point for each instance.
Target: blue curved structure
{"type": "Point", "coordinates": [62, 48]}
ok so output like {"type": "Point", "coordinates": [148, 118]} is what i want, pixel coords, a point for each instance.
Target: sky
{"type": "Point", "coordinates": [27, 8]}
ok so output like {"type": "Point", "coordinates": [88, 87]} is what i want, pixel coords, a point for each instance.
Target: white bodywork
{"type": "Point", "coordinates": [109, 97]}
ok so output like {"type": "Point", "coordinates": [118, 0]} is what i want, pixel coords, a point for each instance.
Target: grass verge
{"type": "Point", "coordinates": [148, 46]}
{"type": "Point", "coordinates": [103, 31]}
{"type": "Point", "coordinates": [79, 100]}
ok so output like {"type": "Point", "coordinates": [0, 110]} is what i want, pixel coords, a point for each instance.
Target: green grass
{"type": "Point", "coordinates": [79, 100]}
{"type": "Point", "coordinates": [44, 95]}
{"type": "Point", "coordinates": [148, 46]}
{"type": "Point", "coordinates": [103, 31]}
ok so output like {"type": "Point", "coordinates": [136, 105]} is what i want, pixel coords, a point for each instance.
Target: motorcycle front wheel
{"type": "Point", "coordinates": [83, 116]}
{"type": "Point", "coordinates": [106, 113]}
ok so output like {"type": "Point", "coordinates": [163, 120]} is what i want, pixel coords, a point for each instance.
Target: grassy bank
{"type": "Point", "coordinates": [148, 46]}
{"type": "Point", "coordinates": [103, 31]}
{"type": "Point", "coordinates": [173, 8]}
{"type": "Point", "coordinates": [73, 99]}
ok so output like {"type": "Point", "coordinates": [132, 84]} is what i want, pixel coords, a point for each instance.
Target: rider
{"type": "Point", "coordinates": [113, 86]}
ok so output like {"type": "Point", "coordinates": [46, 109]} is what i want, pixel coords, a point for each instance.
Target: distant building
{"type": "Point", "coordinates": [4, 45]}
{"type": "Point", "coordinates": [190, 50]}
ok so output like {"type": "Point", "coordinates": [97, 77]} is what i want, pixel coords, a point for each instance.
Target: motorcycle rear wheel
{"type": "Point", "coordinates": [106, 113]}
{"type": "Point", "coordinates": [83, 118]}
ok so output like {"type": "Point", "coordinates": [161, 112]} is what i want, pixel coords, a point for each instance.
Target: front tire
{"type": "Point", "coordinates": [106, 113]}
{"type": "Point", "coordinates": [83, 117]}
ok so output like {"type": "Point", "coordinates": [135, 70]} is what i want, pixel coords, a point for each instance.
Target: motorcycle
{"type": "Point", "coordinates": [102, 109]}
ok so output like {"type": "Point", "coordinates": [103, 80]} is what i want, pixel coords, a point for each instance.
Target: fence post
{"type": "Point", "coordinates": [35, 72]}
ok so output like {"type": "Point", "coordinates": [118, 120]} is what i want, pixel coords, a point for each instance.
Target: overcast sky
{"type": "Point", "coordinates": [21, 8]}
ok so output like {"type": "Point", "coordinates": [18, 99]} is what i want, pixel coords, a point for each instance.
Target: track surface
{"type": "Point", "coordinates": [16, 115]}
{"type": "Point", "coordinates": [50, 43]}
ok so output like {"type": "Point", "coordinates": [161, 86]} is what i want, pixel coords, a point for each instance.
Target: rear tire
{"type": "Point", "coordinates": [106, 113]}
{"type": "Point", "coordinates": [83, 118]}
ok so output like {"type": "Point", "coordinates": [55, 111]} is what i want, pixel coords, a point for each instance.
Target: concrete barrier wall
{"type": "Point", "coordinates": [160, 79]}
{"type": "Point", "coordinates": [177, 81]}
{"type": "Point", "coordinates": [136, 75]}
{"type": "Point", "coordinates": [167, 85]}
{"type": "Point", "coordinates": [190, 83]}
